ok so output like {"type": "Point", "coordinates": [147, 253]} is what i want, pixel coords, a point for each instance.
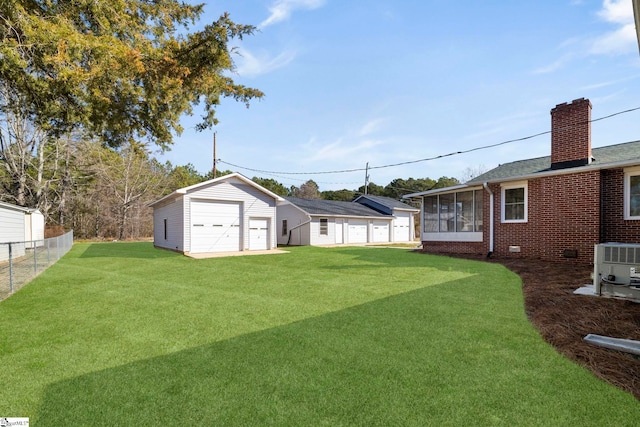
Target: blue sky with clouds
{"type": "Point", "coordinates": [351, 82]}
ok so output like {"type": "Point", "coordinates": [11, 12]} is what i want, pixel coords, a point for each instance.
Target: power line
{"type": "Point", "coordinates": [441, 156]}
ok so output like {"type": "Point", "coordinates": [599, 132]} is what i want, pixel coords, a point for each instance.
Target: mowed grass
{"type": "Point", "coordinates": [125, 334]}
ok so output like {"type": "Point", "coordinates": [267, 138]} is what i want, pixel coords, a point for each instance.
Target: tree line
{"type": "Point", "coordinates": [102, 192]}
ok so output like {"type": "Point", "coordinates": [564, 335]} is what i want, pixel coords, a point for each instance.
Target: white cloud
{"type": "Point", "coordinates": [554, 66]}
{"type": "Point", "coordinates": [617, 11]}
{"type": "Point", "coordinates": [355, 143]}
{"type": "Point", "coordinates": [250, 65]}
{"type": "Point", "coordinates": [342, 149]}
{"type": "Point", "coordinates": [281, 10]}
{"type": "Point", "coordinates": [622, 39]}
{"type": "Point", "coordinates": [370, 127]}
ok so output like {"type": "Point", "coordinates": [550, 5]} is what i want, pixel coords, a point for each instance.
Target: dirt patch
{"type": "Point", "coordinates": [564, 318]}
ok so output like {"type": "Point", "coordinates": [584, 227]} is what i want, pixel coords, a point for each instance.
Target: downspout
{"type": "Point", "coordinates": [486, 187]}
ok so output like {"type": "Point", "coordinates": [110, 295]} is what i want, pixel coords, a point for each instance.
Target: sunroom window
{"type": "Point", "coordinates": [457, 212]}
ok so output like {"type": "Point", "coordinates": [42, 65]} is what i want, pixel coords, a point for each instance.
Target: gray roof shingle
{"type": "Point", "coordinates": [388, 202]}
{"type": "Point", "coordinates": [334, 208]}
{"type": "Point", "coordinates": [603, 156]}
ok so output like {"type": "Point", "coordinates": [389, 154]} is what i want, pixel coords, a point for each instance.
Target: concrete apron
{"type": "Point", "coordinates": [238, 253]}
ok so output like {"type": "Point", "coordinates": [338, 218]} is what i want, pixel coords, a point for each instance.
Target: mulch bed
{"type": "Point", "coordinates": [564, 319]}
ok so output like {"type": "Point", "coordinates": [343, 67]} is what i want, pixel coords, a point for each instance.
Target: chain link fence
{"type": "Point", "coordinates": [20, 262]}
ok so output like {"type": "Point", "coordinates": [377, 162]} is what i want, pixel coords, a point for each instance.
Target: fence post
{"type": "Point", "coordinates": [35, 256]}
{"type": "Point", "coordinates": [10, 270]}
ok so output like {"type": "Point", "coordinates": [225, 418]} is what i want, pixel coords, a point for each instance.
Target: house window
{"type": "Point", "coordinates": [458, 212]}
{"type": "Point", "coordinates": [514, 202]}
{"type": "Point", "coordinates": [324, 227]}
{"type": "Point", "coordinates": [284, 227]}
{"type": "Point", "coordinates": [632, 194]}
{"type": "Point", "coordinates": [165, 228]}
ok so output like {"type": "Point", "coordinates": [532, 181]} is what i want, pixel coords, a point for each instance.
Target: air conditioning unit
{"type": "Point", "coordinates": [617, 270]}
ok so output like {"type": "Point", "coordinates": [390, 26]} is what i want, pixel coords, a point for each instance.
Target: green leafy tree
{"type": "Point", "coordinates": [219, 173]}
{"type": "Point", "coordinates": [399, 187]}
{"type": "Point", "coordinates": [373, 189]}
{"type": "Point", "coordinates": [445, 181]}
{"type": "Point", "coordinates": [271, 185]}
{"type": "Point", "coordinates": [118, 70]}
{"type": "Point", "coordinates": [340, 195]}
{"type": "Point", "coordinates": [183, 176]}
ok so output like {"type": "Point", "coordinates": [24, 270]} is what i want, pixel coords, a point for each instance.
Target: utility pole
{"type": "Point", "coordinates": [366, 179]}
{"type": "Point", "coordinates": [215, 157]}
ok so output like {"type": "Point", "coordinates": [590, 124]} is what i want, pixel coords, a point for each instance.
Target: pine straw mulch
{"type": "Point", "coordinates": [564, 319]}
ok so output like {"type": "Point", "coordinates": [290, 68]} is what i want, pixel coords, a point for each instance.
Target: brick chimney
{"type": "Point", "coordinates": [571, 134]}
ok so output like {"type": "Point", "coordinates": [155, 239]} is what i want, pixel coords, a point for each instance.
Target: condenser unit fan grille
{"type": "Point", "coordinates": [622, 254]}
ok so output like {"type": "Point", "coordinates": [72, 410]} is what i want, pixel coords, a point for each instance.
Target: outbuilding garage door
{"type": "Point", "coordinates": [357, 232]}
{"type": "Point", "coordinates": [215, 227]}
{"type": "Point", "coordinates": [401, 230]}
{"type": "Point", "coordinates": [380, 231]}
{"type": "Point", "coordinates": [258, 234]}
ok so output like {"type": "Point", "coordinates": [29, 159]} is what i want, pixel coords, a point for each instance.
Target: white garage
{"type": "Point", "coordinates": [330, 222]}
{"type": "Point", "coordinates": [403, 215]}
{"type": "Point", "coordinates": [227, 214]}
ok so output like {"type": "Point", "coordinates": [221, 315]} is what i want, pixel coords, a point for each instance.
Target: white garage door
{"type": "Point", "coordinates": [258, 234]}
{"type": "Point", "coordinates": [215, 227]}
{"type": "Point", "coordinates": [401, 230]}
{"type": "Point", "coordinates": [380, 231]}
{"type": "Point", "coordinates": [357, 232]}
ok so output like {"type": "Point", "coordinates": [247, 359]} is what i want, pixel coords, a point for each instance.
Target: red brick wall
{"type": "Point", "coordinates": [455, 248]}
{"type": "Point", "coordinates": [563, 214]}
{"type": "Point", "coordinates": [614, 227]}
{"type": "Point", "coordinates": [571, 131]}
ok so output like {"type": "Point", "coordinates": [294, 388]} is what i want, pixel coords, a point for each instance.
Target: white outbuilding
{"type": "Point", "coordinates": [22, 227]}
{"type": "Point", "coordinates": [317, 222]}
{"type": "Point", "coordinates": [227, 214]}
{"type": "Point", "coordinates": [403, 215]}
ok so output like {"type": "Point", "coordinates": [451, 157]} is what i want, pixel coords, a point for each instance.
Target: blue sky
{"type": "Point", "coordinates": [351, 82]}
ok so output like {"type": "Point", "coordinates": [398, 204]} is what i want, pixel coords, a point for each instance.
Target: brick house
{"type": "Point", "coordinates": [554, 208]}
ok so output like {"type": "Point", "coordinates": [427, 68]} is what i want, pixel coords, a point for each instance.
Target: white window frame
{"type": "Point", "coordinates": [511, 186]}
{"type": "Point", "coordinates": [628, 173]}
{"type": "Point", "coordinates": [324, 228]}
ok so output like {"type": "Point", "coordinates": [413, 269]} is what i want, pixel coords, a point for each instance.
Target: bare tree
{"type": "Point", "coordinates": [470, 173]}
{"type": "Point", "coordinates": [125, 181]}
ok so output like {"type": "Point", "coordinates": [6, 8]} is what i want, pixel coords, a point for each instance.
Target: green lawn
{"type": "Point", "coordinates": [124, 334]}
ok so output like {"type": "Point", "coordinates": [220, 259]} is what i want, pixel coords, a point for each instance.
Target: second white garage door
{"type": "Point", "coordinates": [380, 232]}
{"type": "Point", "coordinates": [401, 229]}
{"type": "Point", "coordinates": [357, 232]}
{"type": "Point", "coordinates": [215, 227]}
{"type": "Point", "coordinates": [258, 234]}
